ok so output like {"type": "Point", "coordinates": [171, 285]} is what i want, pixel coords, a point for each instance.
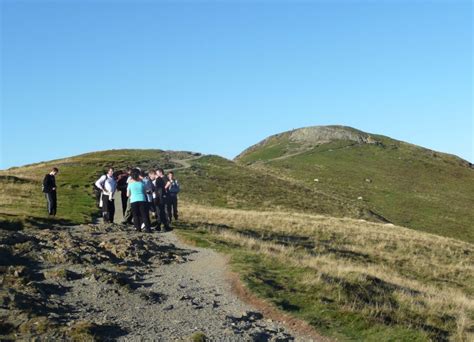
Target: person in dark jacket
{"type": "Point", "coordinates": [160, 200]}
{"type": "Point", "coordinates": [128, 215]}
{"type": "Point", "coordinates": [122, 187]}
{"type": "Point", "coordinates": [172, 190]}
{"type": "Point", "coordinates": [49, 189]}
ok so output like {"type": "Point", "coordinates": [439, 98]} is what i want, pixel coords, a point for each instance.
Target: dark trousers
{"type": "Point", "coordinates": [108, 209]}
{"type": "Point", "coordinates": [172, 206]}
{"type": "Point", "coordinates": [140, 215]}
{"type": "Point", "coordinates": [52, 202]}
{"type": "Point", "coordinates": [127, 217]}
{"type": "Point", "coordinates": [161, 218]}
{"type": "Point", "coordinates": [123, 195]}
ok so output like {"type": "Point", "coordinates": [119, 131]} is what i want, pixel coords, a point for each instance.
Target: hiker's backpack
{"type": "Point", "coordinates": [174, 188]}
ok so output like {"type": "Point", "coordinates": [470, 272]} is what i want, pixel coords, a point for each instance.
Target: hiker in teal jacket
{"type": "Point", "coordinates": [138, 202]}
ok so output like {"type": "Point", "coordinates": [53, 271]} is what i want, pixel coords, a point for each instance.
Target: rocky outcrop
{"type": "Point", "coordinates": [323, 134]}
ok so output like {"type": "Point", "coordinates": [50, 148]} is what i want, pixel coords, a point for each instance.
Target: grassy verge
{"type": "Point", "coordinates": [350, 279]}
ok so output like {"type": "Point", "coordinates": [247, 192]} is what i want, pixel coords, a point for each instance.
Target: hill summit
{"type": "Point", "coordinates": [302, 139]}
{"type": "Point", "coordinates": [402, 183]}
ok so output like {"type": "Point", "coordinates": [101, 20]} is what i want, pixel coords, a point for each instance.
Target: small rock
{"type": "Point", "coordinates": [169, 307]}
{"type": "Point", "coordinates": [186, 297]}
{"type": "Point", "coordinates": [252, 315]}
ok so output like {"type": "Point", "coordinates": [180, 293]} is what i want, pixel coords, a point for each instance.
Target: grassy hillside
{"type": "Point", "coordinates": [406, 184]}
{"type": "Point", "coordinates": [350, 279]}
{"type": "Point", "coordinates": [215, 181]}
{"type": "Point", "coordinates": [21, 199]}
{"type": "Point", "coordinates": [210, 180]}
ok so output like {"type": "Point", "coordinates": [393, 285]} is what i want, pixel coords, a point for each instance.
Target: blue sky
{"type": "Point", "coordinates": [217, 77]}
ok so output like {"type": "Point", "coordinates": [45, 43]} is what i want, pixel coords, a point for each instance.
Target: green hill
{"type": "Point", "coordinates": [346, 277]}
{"type": "Point", "coordinates": [406, 184]}
{"type": "Point", "coordinates": [209, 180]}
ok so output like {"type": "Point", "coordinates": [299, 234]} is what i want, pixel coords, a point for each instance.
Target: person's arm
{"type": "Point", "coordinates": [167, 186]}
{"type": "Point", "coordinates": [128, 191]}
{"type": "Point", "coordinates": [46, 187]}
{"type": "Point", "coordinates": [100, 181]}
{"type": "Point", "coordinates": [53, 183]}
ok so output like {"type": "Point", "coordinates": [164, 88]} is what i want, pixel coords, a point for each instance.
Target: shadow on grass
{"type": "Point", "coordinates": [45, 223]}
{"type": "Point", "coordinates": [108, 332]}
{"type": "Point", "coordinates": [309, 244]}
{"type": "Point", "coordinates": [10, 222]}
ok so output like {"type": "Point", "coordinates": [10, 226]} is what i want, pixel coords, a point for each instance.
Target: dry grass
{"type": "Point", "coordinates": [430, 279]}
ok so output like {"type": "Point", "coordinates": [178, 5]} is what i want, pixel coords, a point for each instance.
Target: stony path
{"type": "Point", "coordinates": [172, 301]}
{"type": "Point", "coordinates": [170, 297]}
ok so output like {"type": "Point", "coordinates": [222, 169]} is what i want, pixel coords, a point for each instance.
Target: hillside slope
{"type": "Point", "coordinates": [348, 278]}
{"type": "Point", "coordinates": [210, 180]}
{"type": "Point", "coordinates": [406, 184]}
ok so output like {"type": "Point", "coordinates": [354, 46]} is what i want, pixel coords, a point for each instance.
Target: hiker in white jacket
{"type": "Point", "coordinates": [108, 185]}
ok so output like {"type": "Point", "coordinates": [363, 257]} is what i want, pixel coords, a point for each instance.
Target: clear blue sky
{"type": "Point", "coordinates": [216, 77]}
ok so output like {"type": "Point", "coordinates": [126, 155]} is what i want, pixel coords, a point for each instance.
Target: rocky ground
{"type": "Point", "coordinates": [108, 282]}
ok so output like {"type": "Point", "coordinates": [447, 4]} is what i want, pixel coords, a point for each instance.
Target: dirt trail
{"type": "Point", "coordinates": [184, 162]}
{"type": "Point", "coordinates": [171, 297]}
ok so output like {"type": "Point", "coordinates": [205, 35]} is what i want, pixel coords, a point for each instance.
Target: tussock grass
{"type": "Point", "coordinates": [388, 275]}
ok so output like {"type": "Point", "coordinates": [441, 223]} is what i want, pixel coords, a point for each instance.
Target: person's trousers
{"type": "Point", "coordinates": [140, 215]}
{"type": "Point", "coordinates": [127, 217]}
{"type": "Point", "coordinates": [52, 202]}
{"type": "Point", "coordinates": [172, 206]}
{"type": "Point", "coordinates": [123, 195]}
{"type": "Point", "coordinates": [161, 217]}
{"type": "Point", "coordinates": [108, 208]}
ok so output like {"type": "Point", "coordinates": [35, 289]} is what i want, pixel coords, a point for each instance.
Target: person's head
{"type": "Point", "coordinates": [54, 171]}
{"type": "Point", "coordinates": [128, 170]}
{"type": "Point", "coordinates": [110, 172]}
{"type": "Point", "coordinates": [152, 174]}
{"type": "Point", "coordinates": [135, 174]}
{"type": "Point", "coordinates": [170, 175]}
{"type": "Point", "coordinates": [142, 174]}
{"type": "Point", "coordinates": [160, 172]}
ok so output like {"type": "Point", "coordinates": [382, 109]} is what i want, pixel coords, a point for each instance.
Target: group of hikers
{"type": "Point", "coordinates": [142, 193]}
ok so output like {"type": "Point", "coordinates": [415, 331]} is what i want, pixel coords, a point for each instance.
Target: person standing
{"type": "Point", "coordinates": [128, 216]}
{"type": "Point", "coordinates": [49, 189]}
{"type": "Point", "coordinates": [138, 201]}
{"type": "Point", "coordinates": [147, 182]}
{"type": "Point", "coordinates": [153, 207]}
{"type": "Point", "coordinates": [172, 190]}
{"type": "Point", "coordinates": [122, 187]}
{"type": "Point", "coordinates": [108, 185]}
{"type": "Point", "coordinates": [160, 200]}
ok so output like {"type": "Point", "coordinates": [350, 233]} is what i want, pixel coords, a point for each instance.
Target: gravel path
{"type": "Point", "coordinates": [173, 301]}
{"type": "Point", "coordinates": [160, 289]}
